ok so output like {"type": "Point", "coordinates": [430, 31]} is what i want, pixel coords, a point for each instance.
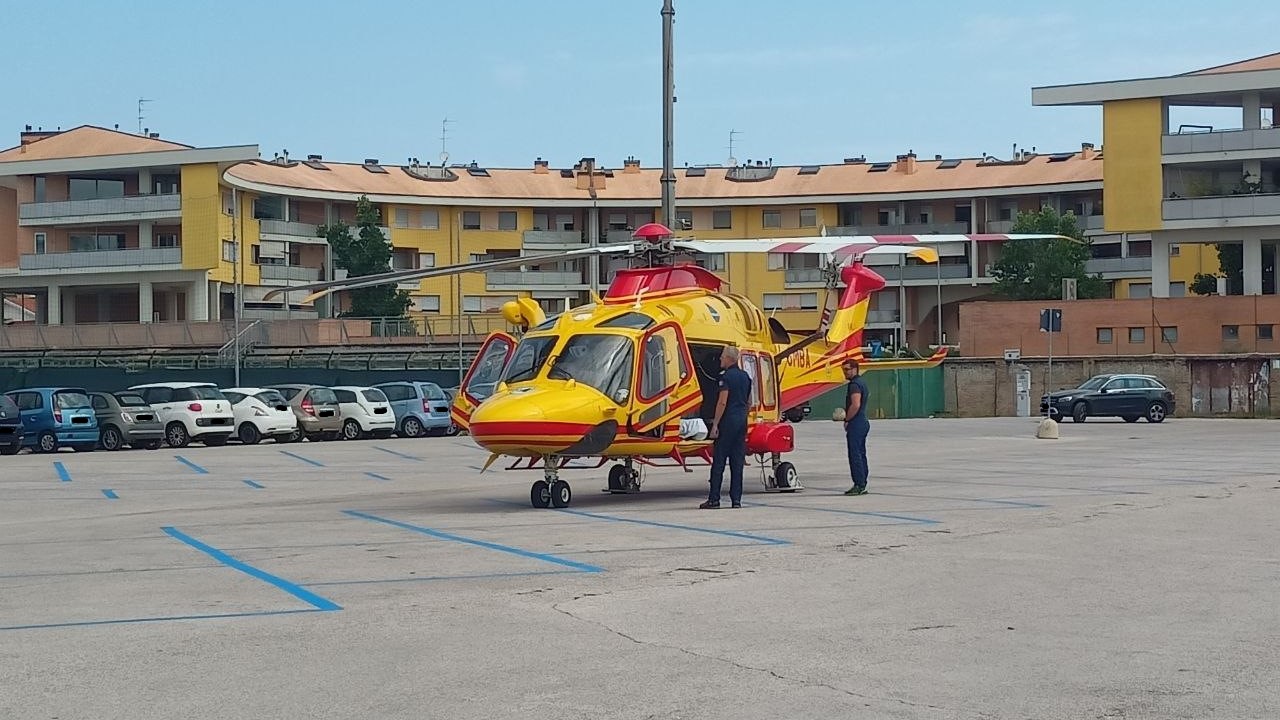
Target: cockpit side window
{"type": "Point", "coordinates": [664, 364]}
{"type": "Point", "coordinates": [488, 369]}
{"type": "Point", "coordinates": [529, 357]}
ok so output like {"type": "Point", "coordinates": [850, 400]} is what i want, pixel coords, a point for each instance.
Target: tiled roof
{"type": "Point", "coordinates": [708, 183]}
{"type": "Point", "coordinates": [1264, 62]}
{"type": "Point", "coordinates": [87, 141]}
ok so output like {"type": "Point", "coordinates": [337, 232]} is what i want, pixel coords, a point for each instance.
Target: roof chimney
{"type": "Point", "coordinates": [1086, 150]}
{"type": "Point", "coordinates": [907, 163]}
{"type": "Point", "coordinates": [540, 166]}
{"type": "Point", "coordinates": [587, 174]}
{"type": "Point", "coordinates": [28, 136]}
{"type": "Point", "coordinates": [631, 165]}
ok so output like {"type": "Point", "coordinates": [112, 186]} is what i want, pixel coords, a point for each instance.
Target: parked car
{"type": "Point", "coordinates": [54, 417]}
{"type": "Point", "coordinates": [366, 412]}
{"type": "Point", "coordinates": [262, 412]}
{"type": "Point", "coordinates": [420, 408]}
{"type": "Point", "coordinates": [1126, 396]}
{"type": "Point", "coordinates": [797, 413]}
{"type": "Point", "coordinates": [10, 427]}
{"type": "Point", "coordinates": [124, 418]}
{"type": "Point", "coordinates": [190, 412]}
{"type": "Point", "coordinates": [316, 408]}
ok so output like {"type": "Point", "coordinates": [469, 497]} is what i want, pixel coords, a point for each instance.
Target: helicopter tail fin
{"type": "Point", "coordinates": [849, 315]}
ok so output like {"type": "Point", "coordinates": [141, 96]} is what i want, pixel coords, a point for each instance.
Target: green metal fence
{"type": "Point", "coordinates": [894, 394]}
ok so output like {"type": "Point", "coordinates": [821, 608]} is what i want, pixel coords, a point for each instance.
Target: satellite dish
{"type": "Point", "coordinates": [444, 159]}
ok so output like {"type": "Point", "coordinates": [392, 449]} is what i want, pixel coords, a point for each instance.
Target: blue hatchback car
{"type": "Point", "coordinates": [420, 408]}
{"type": "Point", "coordinates": [56, 417]}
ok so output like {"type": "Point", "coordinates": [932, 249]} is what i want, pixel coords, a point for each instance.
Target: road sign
{"type": "Point", "coordinates": [1051, 320]}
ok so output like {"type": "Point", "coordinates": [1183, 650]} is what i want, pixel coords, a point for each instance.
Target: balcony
{"type": "Point", "coordinates": [289, 273]}
{"type": "Point", "coordinates": [95, 260]}
{"type": "Point", "coordinates": [104, 210]}
{"type": "Point", "coordinates": [797, 277]}
{"type": "Point", "coordinates": [927, 273]}
{"type": "Point", "coordinates": [1117, 268]}
{"type": "Point", "coordinates": [1222, 207]}
{"type": "Point", "coordinates": [541, 279]}
{"type": "Point", "coordinates": [882, 317]}
{"type": "Point", "coordinates": [289, 231]}
{"type": "Point", "coordinates": [619, 236]}
{"type": "Point", "coordinates": [1221, 142]}
{"type": "Point", "coordinates": [936, 228]}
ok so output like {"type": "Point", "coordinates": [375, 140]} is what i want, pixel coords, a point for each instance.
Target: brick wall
{"type": "Point", "coordinates": [988, 328]}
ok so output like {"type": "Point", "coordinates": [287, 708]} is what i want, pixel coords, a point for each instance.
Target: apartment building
{"type": "Point", "coordinates": [98, 225]}
{"type": "Point", "coordinates": [1179, 181]}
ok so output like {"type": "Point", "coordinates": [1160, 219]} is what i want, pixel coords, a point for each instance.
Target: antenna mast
{"type": "Point", "coordinates": [668, 121]}
{"type": "Point", "coordinates": [733, 160]}
{"type": "Point", "coordinates": [140, 102]}
{"type": "Point", "coordinates": [444, 137]}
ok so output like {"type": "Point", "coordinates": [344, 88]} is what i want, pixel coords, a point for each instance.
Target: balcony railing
{"type": "Point", "coordinates": [553, 238]}
{"type": "Point", "coordinates": [947, 271]}
{"type": "Point", "coordinates": [139, 207]}
{"type": "Point", "coordinates": [101, 259]}
{"type": "Point", "coordinates": [289, 229]}
{"type": "Point", "coordinates": [934, 228]}
{"type": "Point", "coordinates": [1221, 141]}
{"type": "Point", "coordinates": [804, 276]}
{"type": "Point", "coordinates": [1118, 266]}
{"type": "Point", "coordinates": [540, 278]}
{"type": "Point", "coordinates": [1227, 206]}
{"type": "Point", "coordinates": [289, 272]}
{"type": "Point", "coordinates": [882, 317]}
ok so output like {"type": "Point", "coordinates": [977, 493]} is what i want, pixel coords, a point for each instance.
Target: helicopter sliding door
{"type": "Point", "coordinates": [666, 388]}
{"type": "Point", "coordinates": [482, 377]}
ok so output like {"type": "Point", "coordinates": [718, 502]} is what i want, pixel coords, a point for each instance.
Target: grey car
{"type": "Point", "coordinates": [125, 419]}
{"type": "Point", "coordinates": [319, 415]}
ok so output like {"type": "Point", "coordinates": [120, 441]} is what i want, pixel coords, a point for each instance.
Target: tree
{"type": "Point", "coordinates": [368, 253]}
{"type": "Point", "coordinates": [1231, 265]}
{"type": "Point", "coordinates": [1034, 269]}
{"type": "Point", "coordinates": [1204, 284]}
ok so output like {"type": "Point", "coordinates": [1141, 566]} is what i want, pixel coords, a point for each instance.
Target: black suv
{"type": "Point", "coordinates": [1126, 396]}
{"type": "Point", "coordinates": [10, 427]}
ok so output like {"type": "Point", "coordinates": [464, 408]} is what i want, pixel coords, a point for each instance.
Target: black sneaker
{"type": "Point", "coordinates": [737, 505]}
{"type": "Point", "coordinates": [855, 490]}
{"type": "Point", "coordinates": [708, 505]}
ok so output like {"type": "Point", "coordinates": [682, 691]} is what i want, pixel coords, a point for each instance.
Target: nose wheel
{"type": "Point", "coordinates": [550, 491]}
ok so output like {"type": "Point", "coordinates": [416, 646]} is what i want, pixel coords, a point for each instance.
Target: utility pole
{"type": "Point", "coordinates": [668, 120]}
{"type": "Point", "coordinates": [236, 279]}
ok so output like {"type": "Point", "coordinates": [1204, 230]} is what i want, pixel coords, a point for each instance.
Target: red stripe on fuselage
{"type": "Point", "coordinates": [529, 427]}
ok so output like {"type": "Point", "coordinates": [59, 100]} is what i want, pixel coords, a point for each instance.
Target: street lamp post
{"type": "Point", "coordinates": [668, 118]}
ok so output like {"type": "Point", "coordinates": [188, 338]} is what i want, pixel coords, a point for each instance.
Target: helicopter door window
{"type": "Point", "coordinates": [768, 383]}
{"type": "Point", "coordinates": [663, 363]}
{"type": "Point", "coordinates": [749, 366]}
{"type": "Point", "coordinates": [488, 367]}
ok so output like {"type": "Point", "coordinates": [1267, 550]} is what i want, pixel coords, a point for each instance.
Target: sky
{"type": "Point", "coordinates": [805, 81]}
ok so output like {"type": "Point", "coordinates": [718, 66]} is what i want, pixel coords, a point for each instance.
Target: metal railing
{"type": "Point", "coordinates": [289, 272]}
{"type": "Point", "coordinates": [1217, 141]}
{"type": "Point", "coordinates": [947, 271]}
{"type": "Point", "coordinates": [151, 205]}
{"type": "Point", "coordinates": [1225, 206]}
{"type": "Point", "coordinates": [535, 238]}
{"type": "Point", "coordinates": [93, 259]}
{"type": "Point", "coordinates": [541, 278]}
{"type": "Point", "coordinates": [1129, 265]}
{"type": "Point", "coordinates": [933, 228]}
{"type": "Point", "coordinates": [881, 317]}
{"type": "Point", "coordinates": [804, 276]}
{"type": "Point", "coordinates": [289, 228]}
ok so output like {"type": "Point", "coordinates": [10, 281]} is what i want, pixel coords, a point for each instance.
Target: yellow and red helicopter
{"type": "Point", "coordinates": [632, 377]}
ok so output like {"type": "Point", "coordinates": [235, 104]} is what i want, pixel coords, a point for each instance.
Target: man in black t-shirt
{"type": "Point", "coordinates": [856, 427]}
{"type": "Point", "coordinates": [729, 430]}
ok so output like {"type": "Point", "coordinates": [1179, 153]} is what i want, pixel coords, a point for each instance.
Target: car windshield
{"type": "Point", "coordinates": [204, 392]}
{"type": "Point", "coordinates": [373, 395]}
{"type": "Point", "coordinates": [528, 358]}
{"type": "Point", "coordinates": [1095, 382]}
{"type": "Point", "coordinates": [71, 400]}
{"type": "Point", "coordinates": [271, 397]}
{"type": "Point", "coordinates": [7, 405]}
{"type": "Point", "coordinates": [432, 391]}
{"type": "Point", "coordinates": [604, 362]}
{"type": "Point", "coordinates": [130, 400]}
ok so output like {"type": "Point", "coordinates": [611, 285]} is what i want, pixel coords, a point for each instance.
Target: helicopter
{"type": "Point", "coordinates": [631, 377]}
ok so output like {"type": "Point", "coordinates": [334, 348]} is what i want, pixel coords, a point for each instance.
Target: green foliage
{"type": "Point", "coordinates": [1204, 284]}
{"type": "Point", "coordinates": [1034, 269]}
{"type": "Point", "coordinates": [367, 253]}
{"type": "Point", "coordinates": [1231, 265]}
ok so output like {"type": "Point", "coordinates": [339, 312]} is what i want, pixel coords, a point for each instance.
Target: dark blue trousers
{"type": "Point", "coordinates": [855, 434]}
{"type": "Point", "coordinates": [731, 447]}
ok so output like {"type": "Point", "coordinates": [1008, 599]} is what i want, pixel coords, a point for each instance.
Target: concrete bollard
{"type": "Point", "coordinates": [1047, 429]}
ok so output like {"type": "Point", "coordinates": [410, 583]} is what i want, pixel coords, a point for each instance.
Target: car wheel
{"type": "Point", "coordinates": [1079, 412]}
{"type": "Point", "coordinates": [351, 430]}
{"type": "Point", "coordinates": [411, 427]}
{"type": "Point", "coordinates": [111, 438]}
{"type": "Point", "coordinates": [451, 430]}
{"type": "Point", "coordinates": [175, 434]}
{"type": "Point", "coordinates": [10, 449]}
{"type": "Point", "coordinates": [1156, 412]}
{"type": "Point", "coordinates": [249, 434]}
{"type": "Point", "coordinates": [47, 442]}
{"type": "Point", "coordinates": [293, 437]}
{"type": "Point", "coordinates": [215, 440]}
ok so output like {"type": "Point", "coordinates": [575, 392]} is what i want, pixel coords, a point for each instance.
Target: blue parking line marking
{"type": "Point", "coordinates": [436, 578]}
{"type": "Point", "coordinates": [868, 513]}
{"type": "Point", "coordinates": [89, 623]}
{"type": "Point", "coordinates": [191, 465]}
{"type": "Point", "coordinates": [111, 494]}
{"type": "Point", "coordinates": [553, 559]}
{"type": "Point", "coordinates": [61, 469]}
{"type": "Point", "coordinates": [296, 456]}
{"type": "Point", "coordinates": [376, 476]}
{"type": "Point", "coordinates": [302, 594]}
{"type": "Point", "coordinates": [654, 523]}
{"type": "Point", "coordinates": [398, 454]}
{"type": "Point", "coordinates": [253, 484]}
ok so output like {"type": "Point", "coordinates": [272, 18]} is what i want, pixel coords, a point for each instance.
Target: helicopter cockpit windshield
{"type": "Point", "coordinates": [604, 362]}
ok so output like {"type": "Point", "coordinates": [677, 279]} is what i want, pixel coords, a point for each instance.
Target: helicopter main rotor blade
{"type": "Point", "coordinates": [320, 289]}
{"type": "Point", "coordinates": [846, 246]}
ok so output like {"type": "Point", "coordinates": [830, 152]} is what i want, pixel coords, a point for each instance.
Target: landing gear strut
{"type": "Point", "coordinates": [624, 478]}
{"type": "Point", "coordinates": [778, 475]}
{"type": "Point", "coordinates": [550, 491]}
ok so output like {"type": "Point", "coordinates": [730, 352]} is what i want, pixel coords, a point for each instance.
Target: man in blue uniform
{"type": "Point", "coordinates": [729, 429]}
{"type": "Point", "coordinates": [856, 427]}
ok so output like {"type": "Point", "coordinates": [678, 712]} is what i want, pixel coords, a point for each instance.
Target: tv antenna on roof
{"type": "Point", "coordinates": [140, 102]}
{"type": "Point", "coordinates": [444, 137]}
{"type": "Point", "coordinates": [733, 161]}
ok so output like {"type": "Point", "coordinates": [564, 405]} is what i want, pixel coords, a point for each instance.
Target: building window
{"type": "Point", "coordinates": [714, 262]}
{"type": "Point", "coordinates": [1231, 332]}
{"type": "Point", "coordinates": [1137, 335]}
{"type": "Point", "coordinates": [791, 301]}
{"type": "Point", "coordinates": [403, 259]}
{"type": "Point", "coordinates": [166, 240]}
{"type": "Point", "coordinates": [429, 220]}
{"type": "Point", "coordinates": [94, 188]}
{"type": "Point", "coordinates": [507, 220]}
{"type": "Point", "coordinates": [1174, 250]}
{"type": "Point", "coordinates": [684, 220]}
{"type": "Point", "coordinates": [1008, 210]}
{"type": "Point", "coordinates": [428, 303]}
{"type": "Point", "coordinates": [269, 207]}
{"type": "Point", "coordinates": [1265, 332]}
{"type": "Point", "coordinates": [484, 303]}
{"type": "Point", "coordinates": [926, 216]}
{"type": "Point", "coordinates": [771, 219]}
{"type": "Point", "coordinates": [1178, 289]}
{"type": "Point", "coordinates": [1169, 335]}
{"type": "Point", "coordinates": [1104, 336]}
{"type": "Point", "coordinates": [42, 243]}
{"type": "Point", "coordinates": [402, 217]}
{"type": "Point", "coordinates": [1140, 290]}
{"type": "Point", "coordinates": [426, 260]}
{"type": "Point", "coordinates": [100, 241]}
{"type": "Point", "coordinates": [808, 217]}
{"type": "Point", "coordinates": [229, 251]}
{"type": "Point", "coordinates": [885, 218]}
{"type": "Point", "coordinates": [721, 219]}
{"type": "Point", "coordinates": [39, 188]}
{"type": "Point", "coordinates": [471, 220]}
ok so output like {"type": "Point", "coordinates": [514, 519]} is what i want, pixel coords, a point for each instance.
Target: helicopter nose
{"type": "Point", "coordinates": [535, 421]}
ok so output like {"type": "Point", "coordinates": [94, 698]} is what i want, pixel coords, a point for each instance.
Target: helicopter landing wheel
{"type": "Point", "coordinates": [561, 495]}
{"type": "Point", "coordinates": [540, 494]}
{"type": "Point", "coordinates": [623, 479]}
{"type": "Point", "coordinates": [785, 478]}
